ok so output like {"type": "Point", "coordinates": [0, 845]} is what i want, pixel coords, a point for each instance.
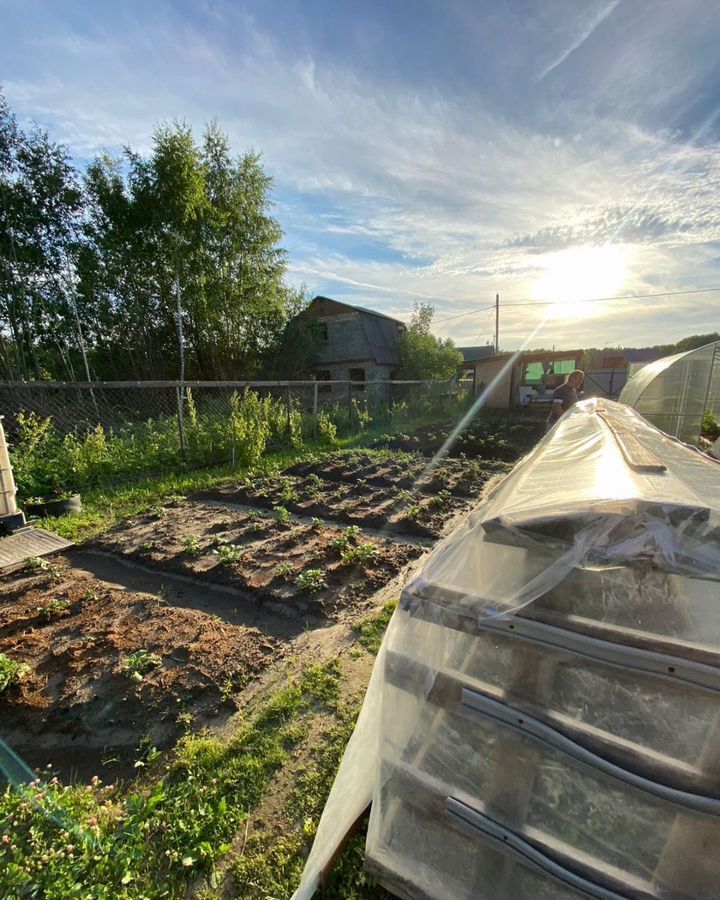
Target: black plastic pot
{"type": "Point", "coordinates": [51, 507]}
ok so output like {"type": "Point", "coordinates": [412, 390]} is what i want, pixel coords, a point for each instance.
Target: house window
{"type": "Point", "coordinates": [358, 375]}
{"type": "Point", "coordinates": [323, 329]}
{"type": "Point", "coordinates": [324, 376]}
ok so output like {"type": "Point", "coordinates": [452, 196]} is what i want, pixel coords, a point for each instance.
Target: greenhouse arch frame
{"type": "Point", "coordinates": [675, 392]}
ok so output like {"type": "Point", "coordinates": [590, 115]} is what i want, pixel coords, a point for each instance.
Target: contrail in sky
{"type": "Point", "coordinates": [599, 18]}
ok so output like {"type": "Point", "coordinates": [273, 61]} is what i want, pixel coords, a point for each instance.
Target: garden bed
{"type": "Point", "coordinates": [493, 436]}
{"type": "Point", "coordinates": [287, 566]}
{"type": "Point", "coordinates": [401, 497]}
{"type": "Point", "coordinates": [111, 673]}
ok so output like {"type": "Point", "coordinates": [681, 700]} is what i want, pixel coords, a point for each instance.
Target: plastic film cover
{"type": "Point", "coordinates": [607, 533]}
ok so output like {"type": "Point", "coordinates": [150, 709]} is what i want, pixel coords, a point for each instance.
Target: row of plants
{"type": "Point", "coordinates": [50, 464]}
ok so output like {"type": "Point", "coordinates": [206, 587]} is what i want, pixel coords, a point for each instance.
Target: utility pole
{"type": "Point", "coordinates": [497, 324]}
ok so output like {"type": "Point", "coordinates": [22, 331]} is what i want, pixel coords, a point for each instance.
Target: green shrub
{"type": "Point", "coordinates": [710, 425]}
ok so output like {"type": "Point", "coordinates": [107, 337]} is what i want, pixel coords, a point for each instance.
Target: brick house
{"type": "Point", "coordinates": [358, 344]}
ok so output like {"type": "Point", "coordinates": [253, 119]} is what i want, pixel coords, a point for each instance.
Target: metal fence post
{"type": "Point", "coordinates": [234, 442]}
{"type": "Point", "coordinates": [181, 421]}
{"type": "Point", "coordinates": [315, 409]}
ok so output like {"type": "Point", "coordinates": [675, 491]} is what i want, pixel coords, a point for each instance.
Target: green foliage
{"type": "Point", "coordinates": [46, 567]}
{"type": "Point", "coordinates": [347, 537]}
{"type": "Point", "coordinates": [358, 556]}
{"type": "Point", "coordinates": [423, 356]}
{"type": "Point", "coordinates": [710, 425]}
{"type": "Point", "coordinates": [326, 428]}
{"type": "Point", "coordinates": [312, 580]}
{"type": "Point", "coordinates": [270, 866]}
{"type": "Point", "coordinates": [148, 843]}
{"type": "Point", "coordinates": [190, 544]}
{"type": "Point", "coordinates": [139, 663]}
{"type": "Point", "coordinates": [52, 608]}
{"type": "Point", "coordinates": [11, 671]}
{"type": "Point", "coordinates": [371, 630]}
{"type": "Point", "coordinates": [228, 554]}
{"type": "Point", "coordinates": [284, 570]}
{"type": "Point", "coordinates": [282, 516]}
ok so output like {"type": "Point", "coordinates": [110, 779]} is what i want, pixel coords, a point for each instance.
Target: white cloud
{"type": "Point", "coordinates": [459, 202]}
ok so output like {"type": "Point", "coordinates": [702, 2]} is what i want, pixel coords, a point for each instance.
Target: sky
{"type": "Point", "coordinates": [429, 151]}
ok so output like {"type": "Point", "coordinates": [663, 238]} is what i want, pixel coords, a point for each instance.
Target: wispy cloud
{"type": "Point", "coordinates": [583, 36]}
{"type": "Point", "coordinates": [390, 189]}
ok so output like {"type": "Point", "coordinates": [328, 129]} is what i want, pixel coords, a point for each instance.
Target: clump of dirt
{"type": "Point", "coordinates": [82, 642]}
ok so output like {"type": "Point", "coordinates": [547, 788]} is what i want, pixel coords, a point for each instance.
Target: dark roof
{"type": "Point", "coordinates": [362, 309]}
{"type": "Point", "coordinates": [381, 331]}
{"type": "Point", "coordinates": [483, 351]}
{"type": "Point", "coordinates": [382, 334]}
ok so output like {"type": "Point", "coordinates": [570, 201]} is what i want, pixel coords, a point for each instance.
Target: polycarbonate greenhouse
{"type": "Point", "coordinates": [543, 718]}
{"type": "Point", "coordinates": [675, 392]}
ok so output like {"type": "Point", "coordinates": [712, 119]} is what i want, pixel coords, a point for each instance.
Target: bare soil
{"type": "Point", "coordinates": [78, 700]}
{"type": "Point", "coordinates": [261, 557]}
{"type": "Point", "coordinates": [220, 590]}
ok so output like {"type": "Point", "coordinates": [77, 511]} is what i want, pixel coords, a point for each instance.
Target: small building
{"type": "Point", "coordinates": [520, 379]}
{"type": "Point", "coordinates": [359, 345]}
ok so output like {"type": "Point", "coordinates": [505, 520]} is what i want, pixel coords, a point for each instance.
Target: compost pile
{"type": "Point", "coordinates": [543, 720]}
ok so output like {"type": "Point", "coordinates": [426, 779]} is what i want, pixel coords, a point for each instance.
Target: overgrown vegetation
{"type": "Point", "coordinates": [94, 841]}
{"type": "Point", "coordinates": [48, 463]}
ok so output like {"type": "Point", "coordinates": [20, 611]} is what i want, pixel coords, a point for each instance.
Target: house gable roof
{"type": "Point", "coordinates": [381, 331]}
{"type": "Point", "coordinates": [320, 300]}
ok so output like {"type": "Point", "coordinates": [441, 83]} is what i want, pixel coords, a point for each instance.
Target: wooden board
{"type": "Point", "coordinates": [20, 546]}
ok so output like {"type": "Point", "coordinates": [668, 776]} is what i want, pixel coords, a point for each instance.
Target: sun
{"type": "Point", "coordinates": [572, 277]}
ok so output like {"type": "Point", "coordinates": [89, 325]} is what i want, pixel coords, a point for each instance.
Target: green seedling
{"type": "Point", "coordinates": [282, 516]}
{"type": "Point", "coordinates": [359, 555]}
{"type": "Point", "coordinates": [311, 580]}
{"type": "Point", "coordinates": [44, 566]}
{"type": "Point", "coordinates": [228, 554]}
{"type": "Point", "coordinates": [53, 608]}
{"type": "Point", "coordinates": [343, 541]}
{"type": "Point", "coordinates": [284, 570]}
{"type": "Point", "coordinates": [139, 663]}
{"type": "Point", "coordinates": [11, 671]}
{"type": "Point", "coordinates": [190, 544]}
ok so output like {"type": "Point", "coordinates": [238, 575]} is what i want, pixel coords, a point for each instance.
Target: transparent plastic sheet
{"type": "Point", "coordinates": [627, 558]}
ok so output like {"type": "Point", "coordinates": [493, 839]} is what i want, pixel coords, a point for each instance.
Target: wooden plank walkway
{"type": "Point", "coordinates": [18, 547]}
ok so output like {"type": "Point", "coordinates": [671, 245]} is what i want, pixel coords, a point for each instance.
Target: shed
{"type": "Point", "coordinates": [359, 344]}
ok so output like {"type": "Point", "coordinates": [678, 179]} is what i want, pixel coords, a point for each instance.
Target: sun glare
{"type": "Point", "coordinates": [573, 277]}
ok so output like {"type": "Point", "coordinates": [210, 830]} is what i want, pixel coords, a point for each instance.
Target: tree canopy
{"type": "Point", "coordinates": [424, 356]}
{"type": "Point", "coordinates": [103, 272]}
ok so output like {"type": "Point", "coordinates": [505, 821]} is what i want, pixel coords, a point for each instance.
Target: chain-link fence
{"type": "Point", "coordinates": [76, 407]}
{"type": "Point", "coordinates": [66, 436]}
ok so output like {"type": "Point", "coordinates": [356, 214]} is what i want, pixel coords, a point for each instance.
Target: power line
{"type": "Point", "coordinates": [473, 312]}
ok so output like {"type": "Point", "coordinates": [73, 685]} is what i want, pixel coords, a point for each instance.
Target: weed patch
{"type": "Point", "coordinates": [91, 841]}
{"type": "Point", "coordinates": [371, 630]}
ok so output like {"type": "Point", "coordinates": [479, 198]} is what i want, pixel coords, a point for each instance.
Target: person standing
{"type": "Point", "coordinates": [565, 396]}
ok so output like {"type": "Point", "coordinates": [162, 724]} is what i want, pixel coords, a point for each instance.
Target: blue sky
{"type": "Point", "coordinates": [429, 151]}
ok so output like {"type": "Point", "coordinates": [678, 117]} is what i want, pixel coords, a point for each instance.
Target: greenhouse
{"type": "Point", "coordinates": [543, 719]}
{"type": "Point", "coordinates": [675, 392]}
